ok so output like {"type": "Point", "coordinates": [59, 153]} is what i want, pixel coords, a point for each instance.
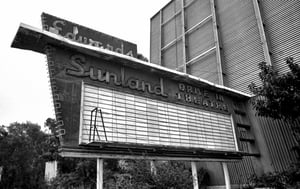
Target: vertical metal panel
{"type": "Point", "coordinates": [200, 40]}
{"type": "Point", "coordinates": [241, 35]}
{"type": "Point", "coordinates": [241, 171]}
{"type": "Point", "coordinates": [280, 142]}
{"type": "Point", "coordinates": [171, 30]}
{"type": "Point", "coordinates": [168, 11]}
{"type": "Point", "coordinates": [188, 1]}
{"type": "Point", "coordinates": [172, 56]}
{"type": "Point", "coordinates": [155, 39]}
{"type": "Point", "coordinates": [205, 68]}
{"type": "Point", "coordinates": [195, 12]}
{"type": "Point", "coordinates": [282, 25]}
{"type": "Point", "coordinates": [242, 49]}
{"type": "Point", "coordinates": [171, 35]}
{"type": "Point", "coordinates": [189, 24]}
{"type": "Point", "coordinates": [171, 9]}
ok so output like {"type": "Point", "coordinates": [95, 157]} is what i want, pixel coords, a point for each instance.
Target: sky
{"type": "Point", "coordinates": [25, 93]}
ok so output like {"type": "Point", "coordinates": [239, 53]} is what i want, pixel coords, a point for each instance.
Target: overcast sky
{"type": "Point", "coordinates": [24, 88]}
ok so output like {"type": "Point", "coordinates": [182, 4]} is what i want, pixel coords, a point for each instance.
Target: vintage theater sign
{"type": "Point", "coordinates": [87, 36]}
{"type": "Point", "coordinates": [111, 106]}
{"type": "Point", "coordinates": [137, 107]}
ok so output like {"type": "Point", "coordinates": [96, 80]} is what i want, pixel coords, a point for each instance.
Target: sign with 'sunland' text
{"type": "Point", "coordinates": [138, 107]}
{"type": "Point", "coordinates": [81, 34]}
{"type": "Point", "coordinates": [110, 106]}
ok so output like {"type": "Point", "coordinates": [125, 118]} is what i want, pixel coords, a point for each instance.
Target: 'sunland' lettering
{"type": "Point", "coordinates": [96, 74]}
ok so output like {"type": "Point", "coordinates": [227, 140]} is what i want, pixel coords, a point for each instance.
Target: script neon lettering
{"type": "Point", "coordinates": [78, 69]}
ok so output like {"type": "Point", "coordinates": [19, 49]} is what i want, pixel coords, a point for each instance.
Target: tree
{"type": "Point", "coordinates": [52, 141]}
{"type": "Point", "coordinates": [142, 57]}
{"type": "Point", "coordinates": [169, 175]}
{"type": "Point", "coordinates": [21, 156]}
{"type": "Point", "coordinates": [80, 172]}
{"type": "Point", "coordinates": [279, 95]}
{"type": "Point", "coordinates": [279, 98]}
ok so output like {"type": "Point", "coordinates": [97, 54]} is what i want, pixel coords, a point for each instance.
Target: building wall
{"type": "Point", "coordinates": [282, 25]}
{"type": "Point", "coordinates": [248, 32]}
{"type": "Point", "coordinates": [280, 142]}
{"type": "Point", "coordinates": [240, 41]}
{"type": "Point", "coordinates": [281, 21]}
{"type": "Point", "coordinates": [187, 43]}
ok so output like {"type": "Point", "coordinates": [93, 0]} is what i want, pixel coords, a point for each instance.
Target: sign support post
{"type": "Point", "coordinates": [99, 173]}
{"type": "Point", "coordinates": [195, 176]}
{"type": "Point", "coordinates": [153, 167]}
{"type": "Point", "coordinates": [226, 175]}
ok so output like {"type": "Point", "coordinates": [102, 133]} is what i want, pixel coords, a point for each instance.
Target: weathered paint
{"type": "Point", "coordinates": [82, 34]}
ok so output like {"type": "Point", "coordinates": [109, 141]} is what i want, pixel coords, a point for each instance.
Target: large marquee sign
{"type": "Point", "coordinates": [111, 103]}
{"type": "Point", "coordinates": [87, 36]}
{"type": "Point", "coordinates": [110, 106]}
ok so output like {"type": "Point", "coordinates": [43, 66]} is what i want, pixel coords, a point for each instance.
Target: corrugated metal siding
{"type": "Point", "coordinates": [155, 39]}
{"type": "Point", "coordinates": [188, 1]}
{"type": "Point", "coordinates": [280, 141]}
{"type": "Point", "coordinates": [171, 44]}
{"type": "Point", "coordinates": [242, 49]}
{"type": "Point", "coordinates": [200, 41]}
{"type": "Point", "coordinates": [282, 26]}
{"type": "Point", "coordinates": [205, 68]}
{"type": "Point", "coordinates": [241, 52]}
{"type": "Point", "coordinates": [195, 12]}
{"type": "Point", "coordinates": [172, 49]}
{"type": "Point", "coordinates": [172, 56]}
{"type": "Point", "coordinates": [240, 171]}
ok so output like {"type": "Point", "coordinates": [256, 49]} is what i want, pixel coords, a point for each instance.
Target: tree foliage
{"type": "Point", "coordinates": [51, 154]}
{"type": "Point", "coordinates": [25, 149]}
{"type": "Point", "coordinates": [279, 95]}
{"type": "Point", "coordinates": [142, 57]}
{"type": "Point", "coordinates": [288, 178]}
{"type": "Point", "coordinates": [21, 156]}
{"type": "Point", "coordinates": [168, 175]}
{"type": "Point", "coordinates": [126, 175]}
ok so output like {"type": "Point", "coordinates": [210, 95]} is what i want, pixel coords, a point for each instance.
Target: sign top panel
{"type": "Point", "coordinates": [86, 35]}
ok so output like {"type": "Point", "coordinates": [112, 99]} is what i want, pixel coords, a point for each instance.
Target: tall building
{"type": "Point", "coordinates": [223, 41]}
